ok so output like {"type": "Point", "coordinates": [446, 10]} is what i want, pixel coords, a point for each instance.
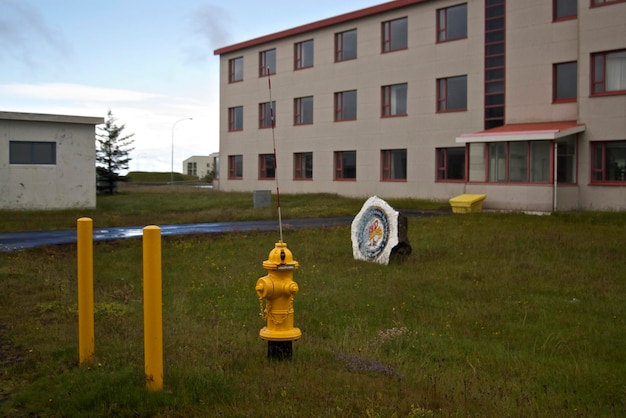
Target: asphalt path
{"type": "Point", "coordinates": [14, 241]}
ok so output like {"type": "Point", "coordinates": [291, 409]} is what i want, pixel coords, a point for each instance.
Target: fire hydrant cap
{"type": "Point", "coordinates": [280, 258]}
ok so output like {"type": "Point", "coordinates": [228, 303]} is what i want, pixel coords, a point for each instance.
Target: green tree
{"type": "Point", "coordinates": [111, 154]}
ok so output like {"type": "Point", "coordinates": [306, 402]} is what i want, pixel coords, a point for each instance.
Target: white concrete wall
{"type": "Point", "coordinates": [70, 183]}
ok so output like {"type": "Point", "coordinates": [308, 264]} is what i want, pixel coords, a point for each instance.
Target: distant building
{"type": "Point", "coordinates": [524, 101]}
{"type": "Point", "coordinates": [47, 161]}
{"type": "Point", "coordinates": [200, 165]}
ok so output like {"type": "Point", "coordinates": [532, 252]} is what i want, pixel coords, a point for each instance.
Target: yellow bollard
{"type": "Point", "coordinates": [84, 248]}
{"type": "Point", "coordinates": [152, 308]}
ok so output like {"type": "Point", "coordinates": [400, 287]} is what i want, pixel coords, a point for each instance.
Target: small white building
{"type": "Point", "coordinates": [200, 165]}
{"type": "Point", "coordinates": [47, 161]}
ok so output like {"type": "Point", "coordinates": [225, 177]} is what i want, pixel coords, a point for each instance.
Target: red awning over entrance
{"type": "Point", "coordinates": [540, 131]}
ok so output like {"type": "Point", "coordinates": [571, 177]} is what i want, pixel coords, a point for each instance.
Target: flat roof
{"type": "Point", "coordinates": [43, 117]}
{"type": "Point", "coordinates": [324, 23]}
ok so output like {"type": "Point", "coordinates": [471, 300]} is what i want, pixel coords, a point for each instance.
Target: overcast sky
{"type": "Point", "coordinates": [150, 62]}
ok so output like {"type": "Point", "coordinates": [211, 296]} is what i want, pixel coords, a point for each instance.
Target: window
{"type": "Point", "coordinates": [303, 53]}
{"type": "Point", "coordinates": [566, 160]}
{"type": "Point", "coordinates": [394, 100]}
{"type": "Point", "coordinates": [395, 34]}
{"type": "Point", "coordinates": [565, 82]}
{"type": "Point", "coordinates": [595, 3]}
{"type": "Point", "coordinates": [235, 166]}
{"type": "Point", "coordinates": [345, 165]}
{"type": "Point", "coordinates": [608, 162]}
{"type": "Point", "coordinates": [267, 62]}
{"type": "Point", "coordinates": [450, 164]}
{"type": "Point", "coordinates": [303, 166]}
{"type": "Point", "coordinates": [192, 169]}
{"type": "Point", "coordinates": [564, 9]}
{"type": "Point", "coordinates": [235, 118]}
{"type": "Point", "coordinates": [477, 162]}
{"type": "Point", "coordinates": [452, 94]}
{"type": "Point", "coordinates": [393, 164]}
{"type": "Point", "coordinates": [345, 105]}
{"type": "Point", "coordinates": [452, 23]}
{"type": "Point", "coordinates": [267, 112]}
{"type": "Point", "coordinates": [303, 110]}
{"type": "Point", "coordinates": [345, 45]}
{"type": "Point", "coordinates": [512, 162]}
{"type": "Point", "coordinates": [235, 70]}
{"type": "Point", "coordinates": [26, 152]}
{"type": "Point", "coordinates": [608, 73]}
{"type": "Point", "coordinates": [267, 166]}
{"type": "Point", "coordinates": [495, 59]}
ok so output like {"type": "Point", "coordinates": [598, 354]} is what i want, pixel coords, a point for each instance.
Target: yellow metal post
{"type": "Point", "coordinates": [152, 308]}
{"type": "Point", "coordinates": [85, 289]}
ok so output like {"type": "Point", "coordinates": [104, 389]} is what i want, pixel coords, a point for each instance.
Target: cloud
{"type": "Point", "coordinates": [26, 37]}
{"type": "Point", "coordinates": [209, 29]}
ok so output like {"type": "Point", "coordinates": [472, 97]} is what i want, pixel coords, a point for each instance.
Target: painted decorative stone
{"type": "Point", "coordinates": [379, 233]}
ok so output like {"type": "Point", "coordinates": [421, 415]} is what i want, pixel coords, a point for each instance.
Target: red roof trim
{"type": "Point", "coordinates": [346, 17]}
{"type": "Point", "coordinates": [528, 128]}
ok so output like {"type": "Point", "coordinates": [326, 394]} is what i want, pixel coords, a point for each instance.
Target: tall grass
{"type": "Point", "coordinates": [492, 315]}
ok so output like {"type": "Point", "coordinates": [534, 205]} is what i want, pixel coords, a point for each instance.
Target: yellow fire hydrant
{"type": "Point", "coordinates": [278, 289]}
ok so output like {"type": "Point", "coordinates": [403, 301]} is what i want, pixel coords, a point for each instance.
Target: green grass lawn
{"type": "Point", "coordinates": [492, 315]}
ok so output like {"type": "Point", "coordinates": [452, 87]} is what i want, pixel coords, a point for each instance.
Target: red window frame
{"type": "Point", "coordinates": [602, 170]}
{"type": "Point", "coordinates": [339, 106]}
{"type": "Point", "coordinates": [386, 35]}
{"type": "Point", "coordinates": [442, 96]}
{"type": "Point", "coordinates": [386, 101]}
{"type": "Point", "coordinates": [298, 55]}
{"type": "Point", "coordinates": [386, 156]}
{"type": "Point", "coordinates": [232, 119]}
{"type": "Point", "coordinates": [441, 165]}
{"type": "Point", "coordinates": [267, 166]}
{"type": "Point", "coordinates": [339, 167]}
{"type": "Point", "coordinates": [442, 28]}
{"type": "Point", "coordinates": [232, 167]}
{"type": "Point", "coordinates": [555, 80]}
{"type": "Point", "coordinates": [556, 18]}
{"type": "Point", "coordinates": [599, 58]}
{"type": "Point", "coordinates": [298, 111]}
{"type": "Point", "coordinates": [339, 51]}
{"type": "Point", "coordinates": [232, 70]}
{"type": "Point", "coordinates": [298, 161]}
{"type": "Point", "coordinates": [600, 3]}
{"type": "Point", "coordinates": [264, 66]}
{"type": "Point", "coordinates": [267, 110]}
{"type": "Point", "coordinates": [495, 61]}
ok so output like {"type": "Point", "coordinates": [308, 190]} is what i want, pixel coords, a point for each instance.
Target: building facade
{"type": "Point", "coordinates": [47, 161]}
{"type": "Point", "coordinates": [524, 101]}
{"type": "Point", "coordinates": [200, 165]}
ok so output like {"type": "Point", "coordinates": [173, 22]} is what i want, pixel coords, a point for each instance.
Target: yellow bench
{"type": "Point", "coordinates": [467, 203]}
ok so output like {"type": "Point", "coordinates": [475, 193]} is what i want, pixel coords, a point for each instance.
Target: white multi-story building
{"type": "Point", "coordinates": [524, 101]}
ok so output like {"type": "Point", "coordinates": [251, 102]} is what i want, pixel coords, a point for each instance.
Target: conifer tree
{"type": "Point", "coordinates": [112, 149]}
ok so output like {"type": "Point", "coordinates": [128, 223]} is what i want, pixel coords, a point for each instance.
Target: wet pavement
{"type": "Point", "coordinates": [13, 241]}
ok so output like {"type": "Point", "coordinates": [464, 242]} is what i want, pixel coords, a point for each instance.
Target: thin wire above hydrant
{"type": "Point", "coordinates": [280, 220]}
